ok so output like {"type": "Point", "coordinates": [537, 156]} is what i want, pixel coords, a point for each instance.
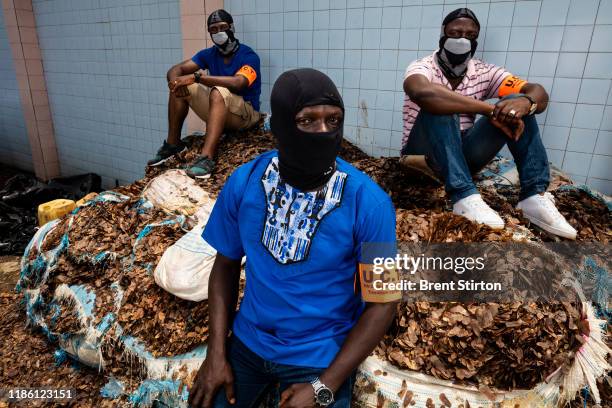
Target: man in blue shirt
{"type": "Point", "coordinates": [226, 99]}
{"type": "Point", "coordinates": [300, 216]}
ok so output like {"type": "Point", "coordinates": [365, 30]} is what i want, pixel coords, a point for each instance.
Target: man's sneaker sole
{"type": "Point", "coordinates": [493, 227]}
{"type": "Point", "coordinates": [166, 159]}
{"type": "Point", "coordinates": [197, 177]}
{"type": "Point", "coordinates": [548, 228]}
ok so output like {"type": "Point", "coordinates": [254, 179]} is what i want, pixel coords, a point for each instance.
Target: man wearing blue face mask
{"type": "Point", "coordinates": [227, 98]}
{"type": "Point", "coordinates": [444, 93]}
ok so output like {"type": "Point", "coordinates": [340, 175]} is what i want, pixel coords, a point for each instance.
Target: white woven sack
{"type": "Point", "coordinates": [174, 191]}
{"type": "Point", "coordinates": [184, 268]}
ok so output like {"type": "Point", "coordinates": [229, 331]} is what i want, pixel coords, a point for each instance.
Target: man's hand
{"type": "Point", "coordinates": [214, 373]}
{"type": "Point", "coordinates": [513, 130]}
{"type": "Point", "coordinates": [178, 86]}
{"type": "Point", "coordinates": [509, 111]}
{"type": "Point", "coordinates": [298, 396]}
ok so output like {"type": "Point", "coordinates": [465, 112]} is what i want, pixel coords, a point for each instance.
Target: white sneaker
{"type": "Point", "coordinates": [475, 209]}
{"type": "Point", "coordinates": [540, 209]}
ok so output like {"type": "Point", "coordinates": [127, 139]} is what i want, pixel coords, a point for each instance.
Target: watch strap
{"type": "Point", "coordinates": [534, 104]}
{"type": "Point", "coordinates": [317, 385]}
{"type": "Point", "coordinates": [196, 77]}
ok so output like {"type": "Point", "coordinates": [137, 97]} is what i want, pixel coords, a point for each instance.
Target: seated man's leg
{"type": "Point", "coordinates": [482, 144]}
{"type": "Point", "coordinates": [485, 140]}
{"type": "Point", "coordinates": [221, 110]}
{"type": "Point", "coordinates": [251, 381]}
{"type": "Point", "coordinates": [216, 123]}
{"type": "Point", "coordinates": [439, 138]}
{"type": "Point", "coordinates": [208, 103]}
{"type": "Point", "coordinates": [534, 172]}
{"type": "Point", "coordinates": [178, 107]}
{"type": "Point", "coordinates": [531, 160]}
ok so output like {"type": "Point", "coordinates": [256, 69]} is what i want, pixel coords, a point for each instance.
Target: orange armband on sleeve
{"type": "Point", "coordinates": [511, 85]}
{"type": "Point", "coordinates": [248, 72]}
{"type": "Point", "coordinates": [378, 286]}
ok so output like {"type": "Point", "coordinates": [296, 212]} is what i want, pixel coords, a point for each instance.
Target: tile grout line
{"type": "Point", "coordinates": [581, 79]}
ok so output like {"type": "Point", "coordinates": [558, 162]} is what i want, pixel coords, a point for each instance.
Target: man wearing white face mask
{"type": "Point", "coordinates": [444, 93]}
{"type": "Point", "coordinates": [226, 99]}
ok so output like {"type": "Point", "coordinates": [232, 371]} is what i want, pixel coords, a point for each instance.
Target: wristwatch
{"type": "Point", "coordinates": [534, 105]}
{"type": "Point", "coordinates": [323, 395]}
{"type": "Point", "coordinates": [196, 77]}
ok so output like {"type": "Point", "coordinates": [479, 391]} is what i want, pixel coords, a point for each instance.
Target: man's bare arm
{"type": "Point", "coordinates": [361, 340]}
{"type": "Point", "coordinates": [215, 372]}
{"type": "Point", "coordinates": [439, 100]}
{"type": "Point", "coordinates": [234, 83]}
{"type": "Point", "coordinates": [181, 75]}
{"type": "Point", "coordinates": [182, 68]}
{"type": "Point", "coordinates": [222, 301]}
{"type": "Point", "coordinates": [538, 93]}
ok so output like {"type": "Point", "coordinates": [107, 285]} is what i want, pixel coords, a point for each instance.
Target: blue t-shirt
{"type": "Point", "coordinates": [302, 251]}
{"type": "Point", "coordinates": [212, 60]}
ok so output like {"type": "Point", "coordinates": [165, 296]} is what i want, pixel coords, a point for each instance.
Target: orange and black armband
{"type": "Point", "coordinates": [511, 85]}
{"type": "Point", "coordinates": [248, 72]}
{"type": "Point", "coordinates": [378, 284]}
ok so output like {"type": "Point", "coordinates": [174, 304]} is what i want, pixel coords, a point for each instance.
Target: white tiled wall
{"type": "Point", "coordinates": [105, 64]}
{"type": "Point", "coordinates": [365, 45]}
{"type": "Point", "coordinates": [14, 144]}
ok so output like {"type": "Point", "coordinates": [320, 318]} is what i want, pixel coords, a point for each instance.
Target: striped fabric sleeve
{"type": "Point", "coordinates": [421, 67]}
{"type": "Point", "coordinates": [496, 76]}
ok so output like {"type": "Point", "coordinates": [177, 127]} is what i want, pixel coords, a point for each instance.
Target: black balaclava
{"type": "Point", "coordinates": [306, 160]}
{"type": "Point", "coordinates": [225, 41]}
{"type": "Point", "coordinates": [455, 53]}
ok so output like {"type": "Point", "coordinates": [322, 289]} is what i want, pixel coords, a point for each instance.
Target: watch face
{"type": "Point", "coordinates": [325, 397]}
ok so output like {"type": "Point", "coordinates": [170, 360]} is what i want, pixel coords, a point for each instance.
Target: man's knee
{"type": "Point", "coordinates": [530, 120]}
{"type": "Point", "coordinates": [216, 97]}
{"type": "Point", "coordinates": [192, 89]}
{"type": "Point", "coordinates": [184, 97]}
{"type": "Point", "coordinates": [428, 117]}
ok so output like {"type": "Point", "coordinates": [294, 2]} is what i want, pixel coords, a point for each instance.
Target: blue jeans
{"type": "Point", "coordinates": [254, 377]}
{"type": "Point", "coordinates": [455, 157]}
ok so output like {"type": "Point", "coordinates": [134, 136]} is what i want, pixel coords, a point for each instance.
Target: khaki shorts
{"type": "Point", "coordinates": [241, 114]}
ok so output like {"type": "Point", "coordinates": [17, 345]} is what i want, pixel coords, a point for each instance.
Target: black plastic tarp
{"type": "Point", "coordinates": [20, 197]}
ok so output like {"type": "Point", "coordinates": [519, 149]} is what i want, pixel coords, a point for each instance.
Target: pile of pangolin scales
{"type": "Point", "coordinates": [498, 345]}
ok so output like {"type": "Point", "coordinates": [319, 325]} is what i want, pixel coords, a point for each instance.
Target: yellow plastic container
{"type": "Point", "coordinates": [85, 199]}
{"type": "Point", "coordinates": [54, 209]}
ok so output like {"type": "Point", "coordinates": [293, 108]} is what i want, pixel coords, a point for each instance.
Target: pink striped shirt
{"type": "Point", "coordinates": [482, 81]}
